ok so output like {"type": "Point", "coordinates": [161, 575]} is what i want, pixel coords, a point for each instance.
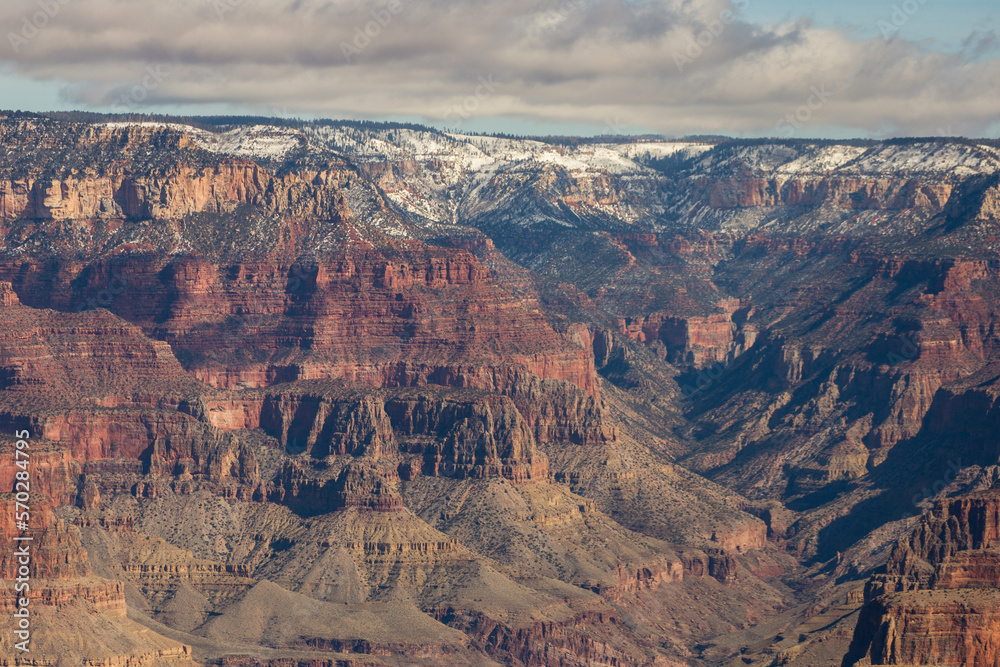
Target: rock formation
{"type": "Point", "coordinates": [937, 601]}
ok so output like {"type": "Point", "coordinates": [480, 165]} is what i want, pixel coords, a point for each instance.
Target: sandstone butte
{"type": "Point", "coordinates": [361, 400]}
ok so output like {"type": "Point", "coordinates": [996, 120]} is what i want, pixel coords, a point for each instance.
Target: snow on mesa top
{"type": "Point", "coordinates": [931, 157]}
{"type": "Point", "coordinates": [934, 158]}
{"type": "Point", "coordinates": [265, 142]}
{"type": "Point", "coordinates": [660, 149]}
{"type": "Point", "coordinates": [823, 160]}
{"type": "Point", "coordinates": [169, 126]}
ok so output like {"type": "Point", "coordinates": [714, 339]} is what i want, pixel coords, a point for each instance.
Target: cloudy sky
{"type": "Point", "coordinates": [677, 67]}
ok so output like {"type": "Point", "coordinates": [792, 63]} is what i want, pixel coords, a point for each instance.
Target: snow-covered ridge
{"type": "Point", "coordinates": [462, 155]}
{"type": "Point", "coordinates": [489, 154]}
{"type": "Point", "coordinates": [432, 178]}
{"type": "Point", "coordinates": [660, 149]}
{"type": "Point", "coordinates": [150, 124]}
{"type": "Point", "coordinates": [264, 142]}
{"type": "Point", "coordinates": [939, 159]}
{"type": "Point", "coordinates": [435, 177]}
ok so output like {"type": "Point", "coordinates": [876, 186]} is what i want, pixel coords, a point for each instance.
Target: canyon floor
{"type": "Point", "coordinates": [305, 394]}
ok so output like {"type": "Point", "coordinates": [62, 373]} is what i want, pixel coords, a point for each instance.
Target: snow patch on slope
{"type": "Point", "coordinates": [939, 158]}
{"type": "Point", "coordinates": [660, 149]}
{"type": "Point", "coordinates": [824, 160]}
{"type": "Point", "coordinates": [256, 141]}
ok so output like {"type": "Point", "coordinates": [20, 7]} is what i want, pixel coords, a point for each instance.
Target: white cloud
{"type": "Point", "coordinates": [677, 66]}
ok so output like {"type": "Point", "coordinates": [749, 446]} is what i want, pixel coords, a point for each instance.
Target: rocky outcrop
{"type": "Point", "coordinates": [398, 335]}
{"type": "Point", "coordinates": [565, 642]}
{"type": "Point", "coordinates": [929, 628]}
{"type": "Point", "coordinates": [558, 412]}
{"type": "Point", "coordinates": [54, 548]}
{"type": "Point", "coordinates": [102, 595]}
{"type": "Point", "coordinates": [858, 192]}
{"type": "Point", "coordinates": [696, 340]}
{"type": "Point", "coordinates": [8, 297]}
{"type": "Point", "coordinates": [52, 468]}
{"type": "Point", "coordinates": [363, 484]}
{"type": "Point", "coordinates": [477, 437]}
{"type": "Point", "coordinates": [936, 602]}
{"type": "Point", "coordinates": [976, 200]}
{"type": "Point", "coordinates": [91, 358]}
{"type": "Point", "coordinates": [191, 185]}
{"type": "Point", "coordinates": [457, 434]}
{"type": "Point", "coordinates": [716, 564]}
{"type": "Point", "coordinates": [637, 581]}
{"type": "Point", "coordinates": [318, 425]}
{"type": "Point", "coordinates": [166, 443]}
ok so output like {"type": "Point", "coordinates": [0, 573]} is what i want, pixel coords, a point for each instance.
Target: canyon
{"type": "Point", "coordinates": [319, 393]}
